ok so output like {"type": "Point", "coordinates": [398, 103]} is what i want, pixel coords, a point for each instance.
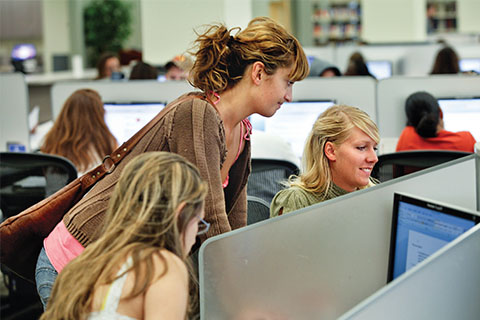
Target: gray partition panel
{"type": "Point", "coordinates": [445, 287]}
{"type": "Point", "coordinates": [354, 91]}
{"type": "Point", "coordinates": [393, 92]}
{"type": "Point", "coordinates": [318, 262]}
{"type": "Point", "coordinates": [121, 91]}
{"type": "Point", "coordinates": [14, 110]}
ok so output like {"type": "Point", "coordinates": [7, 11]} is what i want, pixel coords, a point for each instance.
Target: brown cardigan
{"type": "Point", "coordinates": [194, 130]}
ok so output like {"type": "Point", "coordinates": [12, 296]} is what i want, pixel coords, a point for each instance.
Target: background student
{"type": "Point", "coordinates": [143, 71]}
{"type": "Point", "coordinates": [138, 268]}
{"type": "Point", "coordinates": [252, 71]}
{"type": "Point", "coordinates": [425, 129]}
{"type": "Point", "coordinates": [80, 133]}
{"type": "Point", "coordinates": [446, 62]}
{"type": "Point", "coordinates": [339, 156]}
{"type": "Point", "coordinates": [108, 64]}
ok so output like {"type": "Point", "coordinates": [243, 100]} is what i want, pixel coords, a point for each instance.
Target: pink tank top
{"type": "Point", "coordinates": [61, 247]}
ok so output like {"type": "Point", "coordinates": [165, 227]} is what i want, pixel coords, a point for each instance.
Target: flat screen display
{"type": "Point", "coordinates": [461, 114]}
{"type": "Point", "coordinates": [470, 64]}
{"type": "Point", "coordinates": [292, 122]}
{"type": "Point", "coordinates": [420, 227]}
{"type": "Point", "coordinates": [125, 119]}
{"type": "Point", "coordinates": [381, 69]}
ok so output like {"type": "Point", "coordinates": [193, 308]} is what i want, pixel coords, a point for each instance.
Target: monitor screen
{"type": "Point", "coordinates": [125, 119]}
{"type": "Point", "coordinates": [292, 122]}
{"type": "Point", "coordinates": [461, 114]}
{"type": "Point", "coordinates": [419, 228]}
{"type": "Point", "coordinates": [23, 51]}
{"type": "Point", "coordinates": [381, 69]}
{"type": "Point", "coordinates": [470, 64]}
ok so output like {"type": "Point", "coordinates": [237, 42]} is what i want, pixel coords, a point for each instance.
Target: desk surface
{"type": "Point", "coordinates": [52, 77]}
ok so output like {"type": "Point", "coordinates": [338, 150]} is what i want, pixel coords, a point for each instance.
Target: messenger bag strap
{"type": "Point", "coordinates": [110, 161]}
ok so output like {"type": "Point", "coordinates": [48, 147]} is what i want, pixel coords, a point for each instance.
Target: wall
{"type": "Point", "coordinates": [168, 29]}
{"type": "Point", "coordinates": [393, 20]}
{"type": "Point", "coordinates": [56, 30]}
{"type": "Point", "coordinates": [467, 16]}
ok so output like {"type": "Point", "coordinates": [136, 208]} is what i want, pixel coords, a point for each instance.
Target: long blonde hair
{"type": "Point", "coordinates": [80, 133]}
{"type": "Point", "coordinates": [140, 220]}
{"type": "Point", "coordinates": [222, 58]}
{"type": "Point", "coordinates": [335, 125]}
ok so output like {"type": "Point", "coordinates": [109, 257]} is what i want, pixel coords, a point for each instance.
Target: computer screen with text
{"type": "Point", "coordinates": [420, 227]}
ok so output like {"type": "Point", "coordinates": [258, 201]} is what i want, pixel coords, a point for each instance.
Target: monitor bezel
{"type": "Point", "coordinates": [419, 201]}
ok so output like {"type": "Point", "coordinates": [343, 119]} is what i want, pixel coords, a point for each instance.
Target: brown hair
{"type": "Point", "coordinates": [101, 71]}
{"type": "Point", "coordinates": [446, 62]}
{"type": "Point", "coordinates": [80, 132]}
{"type": "Point", "coordinates": [142, 219]}
{"type": "Point", "coordinates": [222, 58]}
{"type": "Point", "coordinates": [143, 70]}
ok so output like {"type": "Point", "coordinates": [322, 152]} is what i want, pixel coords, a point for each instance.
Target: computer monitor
{"type": "Point", "coordinates": [470, 64]}
{"type": "Point", "coordinates": [381, 69]}
{"type": "Point", "coordinates": [292, 122]}
{"type": "Point", "coordinates": [461, 114]}
{"type": "Point", "coordinates": [420, 227]}
{"type": "Point", "coordinates": [125, 119]}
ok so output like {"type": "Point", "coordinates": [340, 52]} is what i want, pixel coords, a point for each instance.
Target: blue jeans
{"type": "Point", "coordinates": [45, 275]}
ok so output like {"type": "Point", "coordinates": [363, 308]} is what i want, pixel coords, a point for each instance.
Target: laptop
{"type": "Point", "coordinates": [420, 227]}
{"type": "Point", "coordinates": [124, 119]}
{"type": "Point", "coordinates": [292, 122]}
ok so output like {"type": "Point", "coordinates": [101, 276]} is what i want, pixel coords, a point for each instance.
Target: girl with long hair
{"type": "Point", "coordinates": [138, 267]}
{"type": "Point", "coordinates": [80, 133]}
{"type": "Point", "coordinates": [339, 156]}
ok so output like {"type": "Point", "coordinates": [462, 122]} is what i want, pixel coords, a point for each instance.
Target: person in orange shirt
{"type": "Point", "coordinates": [425, 131]}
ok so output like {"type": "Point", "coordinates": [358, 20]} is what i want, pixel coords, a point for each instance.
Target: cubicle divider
{"type": "Point", "coordinates": [14, 129]}
{"type": "Point", "coordinates": [444, 287]}
{"type": "Point", "coordinates": [354, 91]}
{"type": "Point", "coordinates": [408, 59]}
{"type": "Point", "coordinates": [121, 91]}
{"type": "Point", "coordinates": [320, 261]}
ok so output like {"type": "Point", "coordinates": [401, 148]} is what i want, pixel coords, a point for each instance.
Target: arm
{"type": "Point", "coordinates": [238, 214]}
{"type": "Point", "coordinates": [288, 200]}
{"type": "Point", "coordinates": [167, 297]}
{"type": "Point", "coordinates": [197, 134]}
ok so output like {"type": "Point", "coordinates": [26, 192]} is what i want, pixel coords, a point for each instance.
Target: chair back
{"type": "Point", "coordinates": [397, 164]}
{"type": "Point", "coordinates": [257, 210]}
{"type": "Point", "coordinates": [25, 179]}
{"type": "Point", "coordinates": [267, 177]}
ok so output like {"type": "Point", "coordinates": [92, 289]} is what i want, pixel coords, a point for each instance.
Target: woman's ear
{"type": "Point", "coordinates": [179, 209]}
{"type": "Point", "coordinates": [329, 151]}
{"type": "Point", "coordinates": [257, 72]}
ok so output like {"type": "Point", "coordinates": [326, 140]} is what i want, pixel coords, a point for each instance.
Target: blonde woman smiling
{"type": "Point", "coordinates": [339, 156]}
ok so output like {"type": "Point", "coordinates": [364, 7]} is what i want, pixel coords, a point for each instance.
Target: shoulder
{"type": "Point", "coordinates": [467, 135]}
{"type": "Point", "coordinates": [195, 104]}
{"type": "Point", "coordinates": [291, 199]}
{"type": "Point", "coordinates": [464, 136]}
{"type": "Point", "coordinates": [167, 297]}
{"type": "Point", "coordinates": [194, 114]}
{"type": "Point", "coordinates": [166, 261]}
